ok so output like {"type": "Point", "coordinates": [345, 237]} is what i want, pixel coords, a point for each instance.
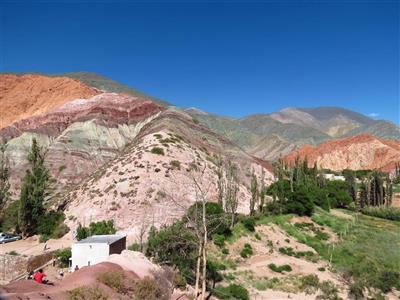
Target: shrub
{"type": "Point", "coordinates": [387, 280]}
{"type": "Point", "coordinates": [280, 269]}
{"type": "Point", "coordinates": [179, 281]}
{"type": "Point", "coordinates": [321, 235]}
{"type": "Point", "coordinates": [249, 223]}
{"type": "Point", "coordinates": [328, 291]}
{"type": "Point", "coordinates": [246, 251]}
{"type": "Point", "coordinates": [114, 280]}
{"type": "Point", "coordinates": [218, 240]}
{"type": "Point", "coordinates": [233, 291]}
{"type": "Point", "coordinates": [63, 256]}
{"type": "Point", "coordinates": [357, 290]}
{"type": "Point", "coordinates": [321, 269]}
{"type": "Point", "coordinates": [175, 164]}
{"type": "Point", "coordinates": [384, 212]}
{"type": "Point", "coordinates": [86, 293]}
{"type": "Point", "coordinates": [134, 247]}
{"type": "Point", "coordinates": [13, 253]}
{"type": "Point", "coordinates": [258, 237]}
{"type": "Point", "coordinates": [147, 289]}
{"type": "Point", "coordinates": [225, 251]}
{"type": "Point", "coordinates": [309, 284]}
{"type": "Point", "coordinates": [157, 150]}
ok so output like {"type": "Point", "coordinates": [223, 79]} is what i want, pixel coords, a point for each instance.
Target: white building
{"type": "Point", "coordinates": [334, 177]}
{"type": "Point", "coordinates": [96, 249]}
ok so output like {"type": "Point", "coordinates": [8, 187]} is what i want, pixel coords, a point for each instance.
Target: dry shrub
{"type": "Point", "coordinates": [148, 289]}
{"type": "Point", "coordinates": [114, 280]}
{"type": "Point", "coordinates": [87, 293]}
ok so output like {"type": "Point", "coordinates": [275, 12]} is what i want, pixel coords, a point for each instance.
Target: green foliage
{"type": "Point", "coordinates": [34, 190]}
{"type": "Point", "coordinates": [9, 219]}
{"type": "Point", "coordinates": [225, 251]}
{"type": "Point", "coordinates": [157, 150]}
{"type": "Point", "coordinates": [387, 280]}
{"type": "Point", "coordinates": [50, 225]}
{"type": "Point", "coordinates": [82, 232]}
{"type": "Point", "coordinates": [246, 251]}
{"type": "Point", "coordinates": [180, 281]}
{"type": "Point", "coordinates": [134, 247]}
{"type": "Point", "coordinates": [175, 245]}
{"type": "Point", "coordinates": [217, 220]}
{"type": "Point", "coordinates": [63, 256]}
{"type": "Point", "coordinates": [249, 223]}
{"type": "Point", "coordinates": [309, 284]}
{"type": "Point", "coordinates": [357, 290]}
{"type": "Point", "coordinates": [328, 291]}
{"type": "Point", "coordinates": [13, 253]}
{"type": "Point", "coordinates": [280, 269]}
{"type": "Point", "coordinates": [219, 240]}
{"type": "Point", "coordinates": [384, 212]}
{"type": "Point", "coordinates": [233, 291]}
{"type": "Point", "coordinates": [4, 178]}
{"type": "Point", "coordinates": [257, 236]}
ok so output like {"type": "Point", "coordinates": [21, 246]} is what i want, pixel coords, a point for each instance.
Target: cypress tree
{"type": "Point", "coordinates": [4, 176]}
{"type": "Point", "coordinates": [34, 190]}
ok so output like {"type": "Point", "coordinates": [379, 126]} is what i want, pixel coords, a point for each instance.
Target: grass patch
{"type": "Point", "coordinates": [280, 269]}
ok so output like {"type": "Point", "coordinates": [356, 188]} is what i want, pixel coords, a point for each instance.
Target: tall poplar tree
{"type": "Point", "coordinates": [34, 190]}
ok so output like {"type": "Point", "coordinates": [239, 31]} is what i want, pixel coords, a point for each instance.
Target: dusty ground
{"type": "Point", "coordinates": [32, 246]}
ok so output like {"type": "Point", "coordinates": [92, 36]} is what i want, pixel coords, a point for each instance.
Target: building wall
{"type": "Point", "coordinates": [84, 255]}
{"type": "Point", "coordinates": [118, 246]}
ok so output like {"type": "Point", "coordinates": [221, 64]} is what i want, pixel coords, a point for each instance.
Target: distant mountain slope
{"type": "Point", "coordinates": [382, 129]}
{"type": "Point", "coordinates": [23, 96]}
{"type": "Point", "coordinates": [359, 152]}
{"type": "Point", "coordinates": [333, 121]}
{"type": "Point", "coordinates": [106, 84]}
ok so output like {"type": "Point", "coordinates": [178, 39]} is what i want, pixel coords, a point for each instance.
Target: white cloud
{"type": "Point", "coordinates": [373, 115]}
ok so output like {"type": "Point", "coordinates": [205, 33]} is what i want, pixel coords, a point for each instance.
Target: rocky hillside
{"type": "Point", "coordinates": [152, 181]}
{"type": "Point", "coordinates": [359, 152]}
{"type": "Point", "coordinates": [23, 96]}
{"type": "Point", "coordinates": [80, 136]}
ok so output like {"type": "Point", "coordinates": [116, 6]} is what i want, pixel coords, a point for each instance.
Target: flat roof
{"type": "Point", "coordinates": [101, 239]}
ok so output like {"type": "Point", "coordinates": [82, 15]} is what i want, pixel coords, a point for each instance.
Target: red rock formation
{"type": "Point", "coordinates": [359, 152]}
{"type": "Point", "coordinates": [32, 94]}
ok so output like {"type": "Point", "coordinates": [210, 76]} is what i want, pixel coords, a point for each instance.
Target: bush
{"type": "Point", "coordinates": [175, 164]}
{"type": "Point", "coordinates": [218, 240]}
{"type": "Point", "coordinates": [246, 251]}
{"type": "Point", "coordinates": [280, 269]}
{"type": "Point", "coordinates": [13, 253]}
{"type": "Point", "coordinates": [328, 291]}
{"type": "Point", "coordinates": [387, 280]}
{"type": "Point", "coordinates": [257, 236]}
{"type": "Point", "coordinates": [157, 150]}
{"type": "Point", "coordinates": [114, 280]}
{"type": "Point", "coordinates": [148, 289]}
{"type": "Point", "coordinates": [309, 284]}
{"type": "Point", "coordinates": [233, 291]}
{"type": "Point", "coordinates": [249, 223]}
{"type": "Point", "coordinates": [86, 293]}
{"type": "Point", "coordinates": [95, 228]}
{"type": "Point", "coordinates": [134, 247]}
{"type": "Point", "coordinates": [180, 281]}
{"type": "Point", "coordinates": [322, 235]}
{"type": "Point", "coordinates": [63, 256]}
{"type": "Point", "coordinates": [384, 212]}
{"type": "Point", "coordinates": [225, 251]}
{"type": "Point", "coordinates": [357, 290]}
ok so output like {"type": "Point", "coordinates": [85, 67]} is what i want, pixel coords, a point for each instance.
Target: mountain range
{"type": "Point", "coordinates": [116, 151]}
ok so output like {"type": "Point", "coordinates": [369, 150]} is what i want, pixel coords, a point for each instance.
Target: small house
{"type": "Point", "coordinates": [96, 249]}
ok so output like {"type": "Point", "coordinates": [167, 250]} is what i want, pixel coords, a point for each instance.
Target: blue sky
{"type": "Point", "coordinates": [227, 58]}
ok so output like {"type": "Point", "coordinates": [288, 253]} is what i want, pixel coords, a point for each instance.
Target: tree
{"type": "Point", "coordinates": [262, 190]}
{"type": "Point", "coordinates": [4, 177]}
{"type": "Point", "coordinates": [231, 191]}
{"type": "Point", "coordinates": [34, 191]}
{"type": "Point", "coordinates": [254, 192]}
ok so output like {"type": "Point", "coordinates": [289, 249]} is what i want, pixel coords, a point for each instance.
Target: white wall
{"type": "Point", "coordinates": [85, 254]}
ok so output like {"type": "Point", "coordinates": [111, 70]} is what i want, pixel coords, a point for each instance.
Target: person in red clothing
{"type": "Point", "coordinates": [38, 276]}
